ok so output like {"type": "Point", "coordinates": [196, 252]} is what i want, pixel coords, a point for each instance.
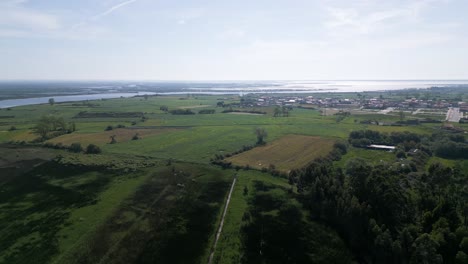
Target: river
{"type": "Point", "coordinates": [67, 98]}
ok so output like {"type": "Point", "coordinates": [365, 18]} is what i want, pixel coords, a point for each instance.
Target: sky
{"type": "Point", "coordinates": [233, 40]}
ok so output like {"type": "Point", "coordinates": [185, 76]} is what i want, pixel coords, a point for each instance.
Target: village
{"type": "Point", "coordinates": [441, 110]}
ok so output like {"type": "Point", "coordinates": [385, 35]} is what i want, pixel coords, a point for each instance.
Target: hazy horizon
{"type": "Point", "coordinates": [242, 40]}
{"type": "Point", "coordinates": [230, 80]}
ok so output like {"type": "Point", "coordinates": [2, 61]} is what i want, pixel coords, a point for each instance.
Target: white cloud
{"type": "Point", "coordinates": [28, 19]}
{"type": "Point", "coordinates": [16, 19]}
{"type": "Point", "coordinates": [368, 17]}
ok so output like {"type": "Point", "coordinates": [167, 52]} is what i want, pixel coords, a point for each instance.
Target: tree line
{"type": "Point", "coordinates": [388, 215]}
{"type": "Point", "coordinates": [441, 143]}
{"type": "Point", "coordinates": [52, 126]}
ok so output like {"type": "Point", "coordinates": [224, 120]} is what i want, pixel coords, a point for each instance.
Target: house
{"type": "Point", "coordinates": [382, 147]}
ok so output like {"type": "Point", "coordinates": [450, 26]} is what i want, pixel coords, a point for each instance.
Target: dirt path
{"type": "Point", "coordinates": [221, 224]}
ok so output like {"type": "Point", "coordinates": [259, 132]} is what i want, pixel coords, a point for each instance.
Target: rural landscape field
{"type": "Point", "coordinates": [180, 179]}
{"type": "Point", "coordinates": [233, 132]}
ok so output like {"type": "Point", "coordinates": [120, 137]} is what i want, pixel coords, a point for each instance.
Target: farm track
{"type": "Point", "coordinates": [221, 224]}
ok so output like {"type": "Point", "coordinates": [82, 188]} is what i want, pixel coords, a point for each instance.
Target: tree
{"type": "Point", "coordinates": [465, 214]}
{"type": "Point", "coordinates": [461, 258]}
{"type": "Point", "coordinates": [358, 170]}
{"type": "Point", "coordinates": [72, 127]}
{"type": "Point", "coordinates": [58, 123]}
{"type": "Point", "coordinates": [48, 124]}
{"type": "Point", "coordinates": [136, 136]}
{"type": "Point", "coordinates": [285, 111]}
{"type": "Point", "coordinates": [51, 101]}
{"type": "Point", "coordinates": [42, 129]}
{"type": "Point", "coordinates": [164, 108]}
{"type": "Point", "coordinates": [277, 112]}
{"type": "Point", "coordinates": [401, 114]}
{"type": "Point", "coordinates": [93, 149]}
{"type": "Point", "coordinates": [341, 146]}
{"type": "Point", "coordinates": [425, 250]}
{"type": "Point", "coordinates": [261, 135]}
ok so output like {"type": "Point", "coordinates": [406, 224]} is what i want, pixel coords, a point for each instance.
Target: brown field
{"type": "Point", "coordinates": [288, 152]}
{"type": "Point", "coordinates": [24, 136]}
{"type": "Point", "coordinates": [102, 138]}
{"type": "Point", "coordinates": [243, 113]}
{"type": "Point", "coordinates": [193, 106]}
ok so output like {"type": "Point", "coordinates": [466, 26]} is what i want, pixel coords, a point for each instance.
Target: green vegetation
{"type": "Point", "coordinates": [137, 181]}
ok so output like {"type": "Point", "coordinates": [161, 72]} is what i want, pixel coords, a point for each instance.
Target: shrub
{"type": "Point", "coordinates": [207, 111]}
{"type": "Point", "coordinates": [341, 146]}
{"type": "Point", "coordinates": [182, 112]}
{"type": "Point", "coordinates": [93, 149]}
{"type": "Point", "coordinates": [401, 154]}
{"type": "Point", "coordinates": [76, 147]}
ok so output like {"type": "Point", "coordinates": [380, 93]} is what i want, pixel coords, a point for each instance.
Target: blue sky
{"type": "Point", "coordinates": [233, 40]}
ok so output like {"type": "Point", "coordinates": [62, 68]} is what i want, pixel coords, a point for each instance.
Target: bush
{"type": "Point", "coordinates": [76, 147]}
{"type": "Point", "coordinates": [109, 128]}
{"type": "Point", "coordinates": [12, 128]}
{"type": "Point", "coordinates": [401, 154]}
{"type": "Point", "coordinates": [341, 146]}
{"type": "Point", "coordinates": [93, 149]}
{"type": "Point", "coordinates": [207, 111]}
{"type": "Point", "coordinates": [182, 112]}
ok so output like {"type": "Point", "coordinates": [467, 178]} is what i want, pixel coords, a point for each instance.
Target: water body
{"type": "Point", "coordinates": [67, 98]}
{"type": "Point", "coordinates": [336, 86]}
{"type": "Point", "coordinates": [120, 89]}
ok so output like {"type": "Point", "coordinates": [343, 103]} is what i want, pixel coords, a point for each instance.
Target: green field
{"type": "Point", "coordinates": [158, 197]}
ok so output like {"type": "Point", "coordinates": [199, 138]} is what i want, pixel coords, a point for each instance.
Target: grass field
{"type": "Point", "coordinates": [170, 218]}
{"type": "Point", "coordinates": [39, 221]}
{"type": "Point", "coordinates": [230, 245]}
{"type": "Point", "coordinates": [369, 155]}
{"type": "Point", "coordinates": [60, 213]}
{"type": "Point", "coordinates": [102, 138]}
{"type": "Point", "coordinates": [287, 153]}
